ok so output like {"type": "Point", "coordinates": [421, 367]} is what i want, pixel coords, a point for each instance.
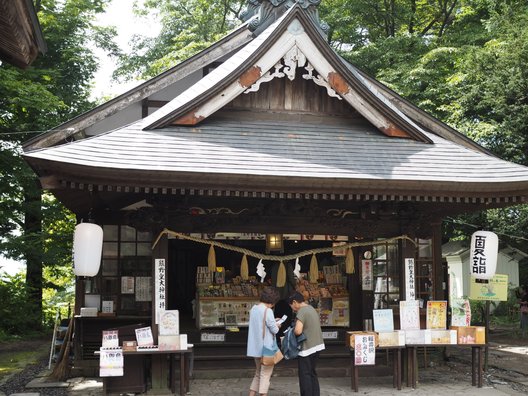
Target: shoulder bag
{"type": "Point", "coordinates": [270, 356]}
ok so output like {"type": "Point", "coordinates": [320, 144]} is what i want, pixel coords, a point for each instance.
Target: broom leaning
{"type": "Point", "coordinates": [62, 366]}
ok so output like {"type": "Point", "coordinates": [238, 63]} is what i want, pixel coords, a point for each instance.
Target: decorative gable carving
{"type": "Point", "coordinates": [293, 59]}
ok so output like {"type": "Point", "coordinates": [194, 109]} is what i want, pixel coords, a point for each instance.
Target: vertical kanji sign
{"type": "Point", "coordinates": [366, 275]}
{"type": "Point", "coordinates": [160, 287]}
{"type": "Point", "coordinates": [410, 287]}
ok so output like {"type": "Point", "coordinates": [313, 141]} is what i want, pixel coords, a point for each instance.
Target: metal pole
{"type": "Point", "coordinates": [486, 322]}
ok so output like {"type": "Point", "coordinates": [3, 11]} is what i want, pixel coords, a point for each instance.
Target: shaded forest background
{"type": "Point", "coordinates": [464, 62]}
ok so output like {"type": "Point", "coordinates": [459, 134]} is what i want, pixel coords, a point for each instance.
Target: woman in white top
{"type": "Point", "coordinates": [262, 329]}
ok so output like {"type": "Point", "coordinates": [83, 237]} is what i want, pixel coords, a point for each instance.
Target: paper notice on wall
{"type": "Point", "coordinates": [143, 288]}
{"type": "Point", "coordinates": [111, 362]}
{"type": "Point", "coordinates": [364, 350]}
{"type": "Point", "coordinates": [127, 285]}
{"type": "Point", "coordinates": [366, 275]}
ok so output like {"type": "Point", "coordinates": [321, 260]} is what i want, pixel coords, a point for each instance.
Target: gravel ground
{"type": "Point", "coordinates": [17, 382]}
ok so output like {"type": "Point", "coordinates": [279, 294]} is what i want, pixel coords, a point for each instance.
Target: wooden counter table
{"type": "Point", "coordinates": [184, 356]}
{"type": "Point", "coordinates": [476, 361]}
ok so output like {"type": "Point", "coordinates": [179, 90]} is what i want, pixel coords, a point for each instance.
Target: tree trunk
{"type": "Point", "coordinates": [33, 251]}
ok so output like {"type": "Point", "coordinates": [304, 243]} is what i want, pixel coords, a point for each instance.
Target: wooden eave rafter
{"type": "Point", "coordinates": [283, 37]}
{"type": "Point", "coordinates": [20, 35]}
{"type": "Point", "coordinates": [184, 184]}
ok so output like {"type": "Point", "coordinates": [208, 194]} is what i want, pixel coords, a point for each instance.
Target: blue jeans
{"type": "Point", "coordinates": [308, 381]}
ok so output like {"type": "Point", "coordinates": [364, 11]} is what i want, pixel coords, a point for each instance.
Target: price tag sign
{"type": "Point", "coordinates": [330, 335]}
{"type": "Point", "coordinates": [212, 337]}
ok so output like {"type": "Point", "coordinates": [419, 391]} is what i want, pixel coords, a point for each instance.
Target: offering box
{"type": "Point", "coordinates": [350, 336]}
{"type": "Point", "coordinates": [443, 336]}
{"type": "Point", "coordinates": [470, 334]}
{"type": "Point", "coordinates": [392, 338]}
{"type": "Point", "coordinates": [169, 342]}
{"type": "Point", "coordinates": [418, 337]}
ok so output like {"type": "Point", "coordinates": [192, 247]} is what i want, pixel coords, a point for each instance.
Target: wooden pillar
{"type": "Point", "coordinates": [355, 300]}
{"type": "Point", "coordinates": [438, 270]}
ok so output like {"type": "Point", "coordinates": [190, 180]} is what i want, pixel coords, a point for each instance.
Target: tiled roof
{"type": "Point", "coordinates": [341, 154]}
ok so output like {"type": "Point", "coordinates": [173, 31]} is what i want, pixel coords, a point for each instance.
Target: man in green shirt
{"type": "Point", "coordinates": [307, 322]}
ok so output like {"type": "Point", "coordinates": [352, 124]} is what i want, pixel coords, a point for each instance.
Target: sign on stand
{"type": "Point", "coordinates": [364, 350]}
{"type": "Point", "coordinates": [410, 315]}
{"type": "Point", "coordinates": [460, 312]}
{"type": "Point", "coordinates": [111, 362]}
{"type": "Point", "coordinates": [494, 289]}
{"type": "Point", "coordinates": [383, 320]}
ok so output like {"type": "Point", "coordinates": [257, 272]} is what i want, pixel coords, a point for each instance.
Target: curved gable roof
{"type": "Point", "coordinates": [296, 41]}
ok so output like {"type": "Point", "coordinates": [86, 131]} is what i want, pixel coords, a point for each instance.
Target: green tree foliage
{"type": "Point", "coordinates": [16, 315]}
{"type": "Point", "coordinates": [187, 27]}
{"type": "Point", "coordinates": [37, 229]}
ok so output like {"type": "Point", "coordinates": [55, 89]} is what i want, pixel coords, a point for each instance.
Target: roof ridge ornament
{"type": "Point", "coordinates": [261, 13]}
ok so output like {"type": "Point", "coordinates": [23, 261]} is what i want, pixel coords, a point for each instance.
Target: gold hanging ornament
{"type": "Point", "coordinates": [281, 275]}
{"type": "Point", "coordinates": [314, 269]}
{"type": "Point", "coordinates": [211, 259]}
{"type": "Point", "coordinates": [244, 271]}
{"type": "Point", "coordinates": [349, 262]}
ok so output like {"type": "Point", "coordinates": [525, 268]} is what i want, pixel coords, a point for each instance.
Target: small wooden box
{"type": "Point", "coordinates": [391, 338]}
{"type": "Point", "coordinates": [470, 334]}
{"type": "Point", "coordinates": [88, 312]}
{"type": "Point", "coordinates": [129, 345]}
{"type": "Point", "coordinates": [443, 336]}
{"type": "Point", "coordinates": [350, 335]}
{"type": "Point", "coordinates": [418, 337]}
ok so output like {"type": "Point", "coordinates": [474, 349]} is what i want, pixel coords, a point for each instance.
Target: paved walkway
{"type": "Point", "coordinates": [507, 375]}
{"type": "Point", "coordinates": [451, 378]}
{"type": "Point", "coordinates": [432, 382]}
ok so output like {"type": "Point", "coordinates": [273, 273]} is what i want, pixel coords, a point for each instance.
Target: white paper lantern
{"type": "Point", "coordinates": [483, 256]}
{"type": "Point", "coordinates": [87, 249]}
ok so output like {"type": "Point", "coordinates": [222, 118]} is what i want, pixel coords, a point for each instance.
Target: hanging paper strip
{"type": "Point", "coordinates": [314, 269]}
{"type": "Point", "coordinates": [211, 259]}
{"type": "Point", "coordinates": [281, 275]}
{"type": "Point", "coordinates": [350, 267]}
{"type": "Point", "coordinates": [244, 270]}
